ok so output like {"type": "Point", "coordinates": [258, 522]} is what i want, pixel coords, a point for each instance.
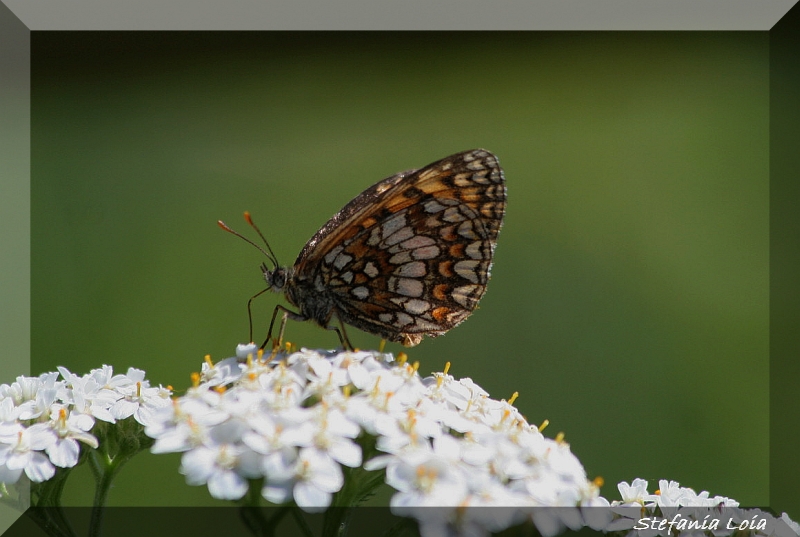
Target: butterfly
{"type": "Point", "coordinates": [408, 257]}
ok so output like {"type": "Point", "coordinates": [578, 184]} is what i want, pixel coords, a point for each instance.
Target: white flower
{"type": "Point", "coordinates": [408, 430]}
{"type": "Point", "coordinates": [311, 479]}
{"type": "Point", "coordinates": [722, 501]}
{"type": "Point", "coordinates": [630, 509]}
{"type": "Point", "coordinates": [226, 371]}
{"type": "Point", "coordinates": [33, 396]}
{"type": "Point", "coordinates": [794, 526]}
{"type": "Point", "coordinates": [88, 396]}
{"type": "Point", "coordinates": [332, 433]}
{"type": "Point", "coordinates": [24, 452]}
{"type": "Point", "coordinates": [669, 494]}
{"type": "Point", "coordinates": [427, 477]}
{"type": "Point", "coordinates": [377, 403]}
{"type": "Point", "coordinates": [140, 401]}
{"type": "Point", "coordinates": [9, 413]}
{"type": "Point", "coordinates": [325, 380]}
{"type": "Point", "coordinates": [182, 425]}
{"type": "Point", "coordinates": [246, 350]}
{"type": "Point", "coordinates": [69, 430]}
{"type": "Point", "coordinates": [595, 511]}
{"type": "Point", "coordinates": [271, 434]}
{"type": "Point", "coordinates": [359, 367]}
{"type": "Point", "coordinates": [635, 493]}
{"type": "Point", "coordinates": [224, 467]}
{"type": "Point", "coordinates": [27, 388]}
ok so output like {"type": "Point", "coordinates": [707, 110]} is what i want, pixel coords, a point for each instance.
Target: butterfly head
{"type": "Point", "coordinates": [276, 277]}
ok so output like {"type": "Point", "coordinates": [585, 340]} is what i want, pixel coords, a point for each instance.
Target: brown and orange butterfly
{"type": "Point", "coordinates": [408, 257]}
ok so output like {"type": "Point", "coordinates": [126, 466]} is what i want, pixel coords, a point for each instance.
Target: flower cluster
{"type": "Point", "coordinates": [669, 494]}
{"type": "Point", "coordinates": [43, 419]}
{"type": "Point", "coordinates": [676, 510]}
{"type": "Point", "coordinates": [301, 422]}
{"type": "Point", "coordinates": [324, 429]}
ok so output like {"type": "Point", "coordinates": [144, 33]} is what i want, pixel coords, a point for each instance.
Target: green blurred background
{"type": "Point", "coordinates": [629, 297]}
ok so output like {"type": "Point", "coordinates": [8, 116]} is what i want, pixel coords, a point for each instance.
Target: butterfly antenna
{"type": "Point", "coordinates": [269, 254]}
{"type": "Point", "coordinates": [253, 225]}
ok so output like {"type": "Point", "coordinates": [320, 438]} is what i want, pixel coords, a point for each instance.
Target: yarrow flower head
{"type": "Point", "coordinates": [296, 427]}
{"type": "Point", "coordinates": [680, 511]}
{"type": "Point", "coordinates": [45, 420]}
{"type": "Point", "coordinates": [296, 422]}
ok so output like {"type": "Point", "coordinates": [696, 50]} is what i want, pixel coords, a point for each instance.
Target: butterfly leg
{"type": "Point", "coordinates": [287, 314]}
{"type": "Point", "coordinates": [343, 339]}
{"type": "Point", "coordinates": [250, 312]}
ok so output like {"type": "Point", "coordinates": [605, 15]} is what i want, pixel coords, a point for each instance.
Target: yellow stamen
{"type": "Point", "coordinates": [513, 398]}
{"type": "Point", "coordinates": [220, 389]}
{"type": "Point", "coordinates": [381, 346]}
{"type": "Point", "coordinates": [195, 379]}
{"type": "Point", "coordinates": [544, 425]}
{"type": "Point", "coordinates": [559, 438]}
{"type": "Point", "coordinates": [599, 481]}
{"type": "Point", "coordinates": [375, 388]}
{"type": "Point", "coordinates": [411, 423]}
{"type": "Point", "coordinates": [402, 358]}
{"type": "Point", "coordinates": [207, 359]}
{"type": "Point", "coordinates": [446, 368]}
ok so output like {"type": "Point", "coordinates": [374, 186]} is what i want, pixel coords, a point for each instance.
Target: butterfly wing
{"type": "Point", "coordinates": [411, 255]}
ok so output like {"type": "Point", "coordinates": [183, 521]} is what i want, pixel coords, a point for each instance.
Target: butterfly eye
{"type": "Point", "coordinates": [276, 279]}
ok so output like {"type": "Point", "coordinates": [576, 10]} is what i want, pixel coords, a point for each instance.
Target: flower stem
{"type": "Point", "coordinates": [301, 521]}
{"type": "Point", "coordinates": [104, 471]}
{"type": "Point", "coordinates": [123, 442]}
{"type": "Point", "coordinates": [46, 500]}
